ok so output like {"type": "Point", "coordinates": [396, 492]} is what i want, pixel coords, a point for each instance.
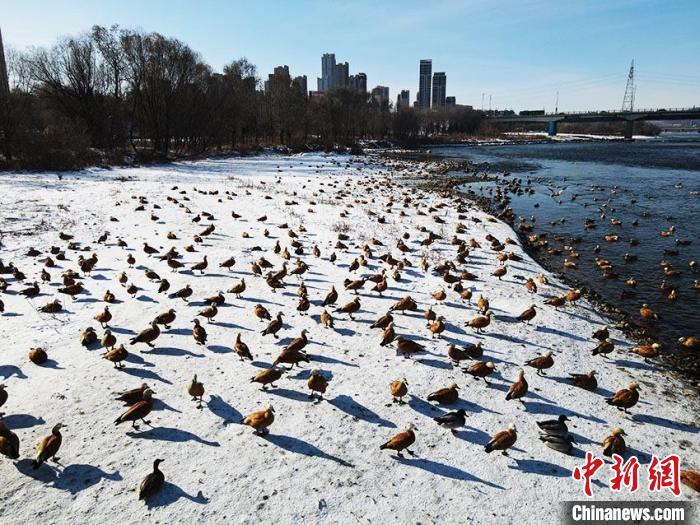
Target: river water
{"type": "Point", "coordinates": [649, 186]}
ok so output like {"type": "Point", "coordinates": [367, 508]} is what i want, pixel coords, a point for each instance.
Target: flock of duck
{"type": "Point", "coordinates": [566, 249]}
{"type": "Point", "coordinates": [281, 256]}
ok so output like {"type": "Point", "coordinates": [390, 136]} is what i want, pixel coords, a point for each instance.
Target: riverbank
{"type": "Point", "coordinates": [321, 462]}
{"type": "Point", "coordinates": [460, 176]}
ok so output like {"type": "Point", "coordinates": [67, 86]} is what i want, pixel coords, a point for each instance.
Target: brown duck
{"type": "Point", "coordinates": [350, 308]}
{"type": "Point", "coordinates": [445, 396]}
{"type": "Point", "coordinates": [147, 335]}
{"type": "Point", "coordinates": [242, 349]}
{"type": "Point", "coordinates": [9, 442]}
{"type": "Point", "coordinates": [137, 411]}
{"type": "Point", "coordinates": [132, 396]}
{"type": "Point", "coordinates": [625, 398]}
{"type": "Point", "coordinates": [480, 369]}
{"type": "Point", "coordinates": [199, 333]}
{"type": "Point", "coordinates": [196, 390]}
{"type": "Point", "coordinates": [152, 483]}
{"type": "Point", "coordinates": [401, 441]}
{"type": "Point", "coordinates": [48, 447]}
{"type": "Point", "coordinates": [116, 356]}
{"type": "Point", "coordinates": [274, 326]}
{"type": "Point", "coordinates": [406, 347]}
{"type": "Point", "coordinates": [317, 383]}
{"type": "Point", "coordinates": [541, 362]}
{"type": "Point", "coordinates": [260, 420]}
{"type": "Point", "coordinates": [267, 376]}
{"type": "Point", "coordinates": [166, 318]}
{"type": "Point", "coordinates": [615, 443]}
{"type": "Point", "coordinates": [480, 321]}
{"type": "Point", "coordinates": [519, 388]}
{"type": "Point", "coordinates": [398, 390]}
{"type": "Point", "coordinates": [586, 381]}
{"type": "Point", "coordinates": [502, 440]}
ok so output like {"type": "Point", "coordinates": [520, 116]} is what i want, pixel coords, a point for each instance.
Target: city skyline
{"type": "Point", "coordinates": [518, 54]}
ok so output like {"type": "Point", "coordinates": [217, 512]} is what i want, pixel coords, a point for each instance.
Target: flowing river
{"type": "Point", "coordinates": [633, 190]}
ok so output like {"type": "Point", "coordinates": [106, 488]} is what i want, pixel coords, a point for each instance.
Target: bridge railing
{"type": "Point", "coordinates": [694, 109]}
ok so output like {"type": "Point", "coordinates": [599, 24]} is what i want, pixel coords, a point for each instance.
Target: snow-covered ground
{"type": "Point", "coordinates": [321, 462]}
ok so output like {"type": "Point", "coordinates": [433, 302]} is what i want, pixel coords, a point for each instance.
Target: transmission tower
{"type": "Point", "coordinates": [628, 101]}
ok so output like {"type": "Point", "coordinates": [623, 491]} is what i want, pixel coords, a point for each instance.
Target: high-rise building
{"type": "Point", "coordinates": [341, 78]}
{"type": "Point", "coordinates": [327, 82]}
{"type": "Point", "coordinates": [281, 71]}
{"type": "Point", "coordinates": [450, 102]}
{"type": "Point", "coordinates": [381, 95]}
{"type": "Point", "coordinates": [358, 83]}
{"type": "Point", "coordinates": [279, 75]}
{"type": "Point", "coordinates": [300, 83]}
{"type": "Point", "coordinates": [403, 101]}
{"type": "Point", "coordinates": [424, 80]}
{"type": "Point", "coordinates": [439, 89]}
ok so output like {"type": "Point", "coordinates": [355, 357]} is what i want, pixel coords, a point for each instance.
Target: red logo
{"type": "Point", "coordinates": [662, 474]}
{"type": "Point", "coordinates": [587, 471]}
{"type": "Point", "coordinates": [665, 474]}
{"type": "Point", "coordinates": [626, 474]}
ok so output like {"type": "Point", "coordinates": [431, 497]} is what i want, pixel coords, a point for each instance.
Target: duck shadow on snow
{"type": "Point", "coordinates": [626, 363]}
{"type": "Point", "coordinates": [145, 374]}
{"type": "Point", "coordinates": [424, 408]}
{"type": "Point", "coordinates": [159, 404]}
{"type": "Point", "coordinates": [171, 434]}
{"type": "Point", "coordinates": [663, 422]}
{"type": "Point", "coordinates": [219, 349]}
{"type": "Point", "coordinates": [553, 410]}
{"type": "Point", "coordinates": [294, 395]}
{"type": "Point", "coordinates": [118, 330]}
{"type": "Point", "coordinates": [331, 360]}
{"type": "Point", "coordinates": [170, 493]}
{"type": "Point", "coordinates": [179, 331]}
{"type": "Point", "coordinates": [544, 468]}
{"type": "Point", "coordinates": [7, 371]}
{"type": "Point", "coordinates": [561, 333]}
{"type": "Point", "coordinates": [72, 478]}
{"type": "Point", "coordinates": [18, 421]}
{"type": "Point", "coordinates": [351, 407]}
{"type": "Point", "coordinates": [224, 410]}
{"type": "Point", "coordinates": [434, 363]}
{"type": "Point", "coordinates": [171, 351]}
{"type": "Point", "coordinates": [447, 471]}
{"type": "Point", "coordinates": [138, 360]}
{"type": "Point", "coordinates": [298, 446]}
{"type": "Point", "coordinates": [473, 435]}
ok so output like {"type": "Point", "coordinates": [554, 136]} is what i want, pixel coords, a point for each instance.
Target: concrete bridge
{"type": "Point", "coordinates": [628, 118]}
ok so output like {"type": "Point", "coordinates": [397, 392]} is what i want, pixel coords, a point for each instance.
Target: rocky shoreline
{"type": "Point", "coordinates": [449, 176]}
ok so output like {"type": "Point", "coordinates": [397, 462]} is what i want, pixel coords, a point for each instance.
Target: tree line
{"type": "Point", "coordinates": [112, 93]}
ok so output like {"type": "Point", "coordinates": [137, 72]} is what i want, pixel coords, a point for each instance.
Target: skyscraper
{"type": "Point", "coordinates": [300, 83]}
{"type": "Point", "coordinates": [439, 89]}
{"type": "Point", "coordinates": [341, 75]}
{"type": "Point", "coordinates": [424, 79]}
{"type": "Point", "coordinates": [280, 76]}
{"type": "Point", "coordinates": [403, 100]}
{"type": "Point", "coordinates": [381, 95]}
{"type": "Point", "coordinates": [358, 83]}
{"type": "Point", "coordinates": [327, 80]}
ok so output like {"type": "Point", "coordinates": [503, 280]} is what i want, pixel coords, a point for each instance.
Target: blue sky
{"type": "Point", "coordinates": [518, 52]}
